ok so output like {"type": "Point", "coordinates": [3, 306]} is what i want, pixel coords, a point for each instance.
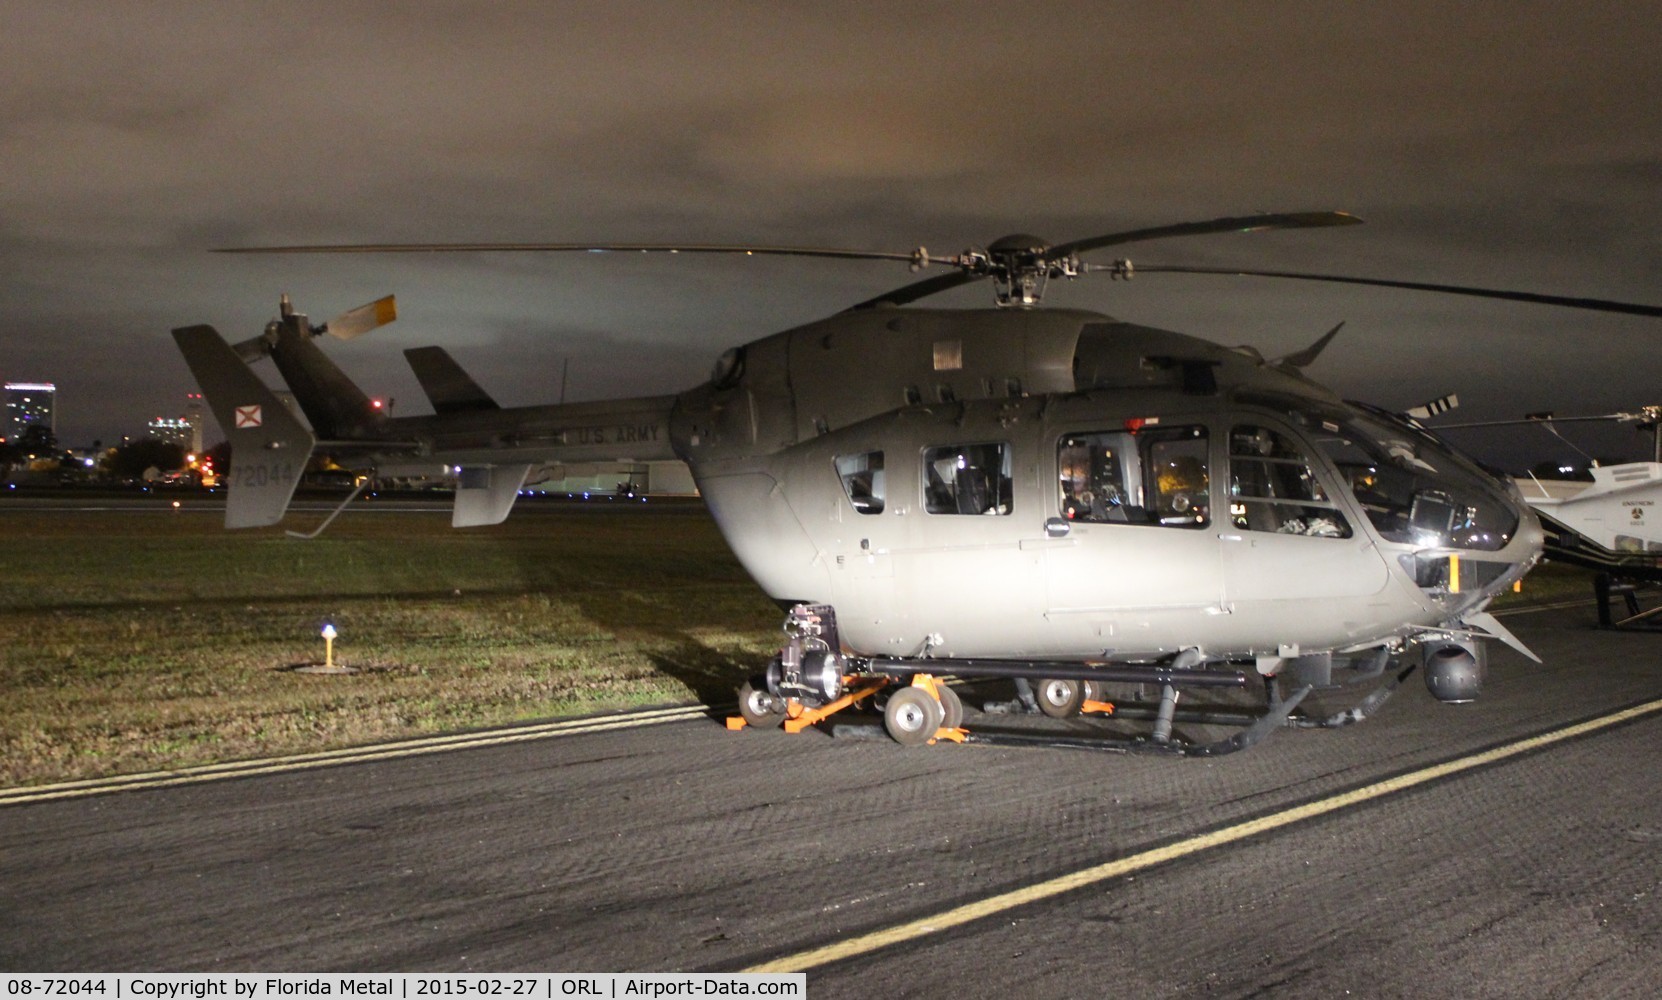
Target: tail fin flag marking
{"type": "Point", "coordinates": [269, 445]}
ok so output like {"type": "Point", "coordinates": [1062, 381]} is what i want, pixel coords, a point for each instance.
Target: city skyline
{"type": "Point", "coordinates": [187, 427]}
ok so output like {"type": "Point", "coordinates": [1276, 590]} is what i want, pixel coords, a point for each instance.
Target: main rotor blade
{"type": "Point", "coordinates": [910, 256]}
{"type": "Point", "coordinates": [919, 289]}
{"type": "Point", "coordinates": [1242, 224]}
{"type": "Point", "coordinates": [1570, 302]}
{"type": "Point", "coordinates": [1615, 418]}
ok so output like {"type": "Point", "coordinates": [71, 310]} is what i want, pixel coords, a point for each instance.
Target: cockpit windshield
{"type": "Point", "coordinates": [1413, 489]}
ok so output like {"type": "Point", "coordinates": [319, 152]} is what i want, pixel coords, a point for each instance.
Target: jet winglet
{"type": "Point", "coordinates": [269, 444]}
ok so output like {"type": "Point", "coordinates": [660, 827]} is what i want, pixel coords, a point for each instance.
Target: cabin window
{"type": "Point", "coordinates": [1273, 488]}
{"type": "Point", "coordinates": [1093, 473]}
{"type": "Point", "coordinates": [967, 479]}
{"type": "Point", "coordinates": [1155, 477]}
{"type": "Point", "coordinates": [1176, 477]}
{"type": "Point", "coordinates": [862, 477]}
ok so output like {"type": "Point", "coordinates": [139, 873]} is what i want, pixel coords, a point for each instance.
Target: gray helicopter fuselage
{"type": "Point", "coordinates": [1023, 484]}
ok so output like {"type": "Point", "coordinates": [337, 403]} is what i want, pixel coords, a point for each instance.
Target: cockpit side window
{"type": "Point", "coordinates": [1273, 488]}
{"type": "Point", "coordinates": [863, 481]}
{"type": "Point", "coordinates": [967, 479]}
{"type": "Point", "coordinates": [1412, 486]}
{"type": "Point", "coordinates": [1155, 477]}
{"type": "Point", "coordinates": [1412, 489]}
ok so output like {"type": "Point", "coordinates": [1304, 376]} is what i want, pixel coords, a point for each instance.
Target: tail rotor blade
{"type": "Point", "coordinates": [357, 322]}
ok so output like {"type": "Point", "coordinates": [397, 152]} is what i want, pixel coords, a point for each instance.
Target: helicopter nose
{"type": "Point", "coordinates": [1487, 580]}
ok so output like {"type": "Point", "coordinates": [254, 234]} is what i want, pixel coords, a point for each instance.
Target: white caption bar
{"type": "Point", "coordinates": [401, 985]}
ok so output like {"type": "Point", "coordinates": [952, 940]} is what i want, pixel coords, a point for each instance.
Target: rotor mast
{"type": "Point", "coordinates": [1021, 266]}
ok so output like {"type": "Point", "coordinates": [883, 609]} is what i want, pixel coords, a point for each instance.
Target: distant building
{"type": "Point", "coordinates": [193, 416]}
{"type": "Point", "coordinates": [185, 431]}
{"type": "Point", "coordinates": [30, 404]}
{"type": "Point", "coordinates": [177, 432]}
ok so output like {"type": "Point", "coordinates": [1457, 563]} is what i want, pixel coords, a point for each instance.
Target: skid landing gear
{"type": "Point", "coordinates": [1609, 589]}
{"type": "Point", "coordinates": [811, 680]}
{"type": "Point", "coordinates": [1261, 727]}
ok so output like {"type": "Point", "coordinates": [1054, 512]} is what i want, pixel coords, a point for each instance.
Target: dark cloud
{"type": "Point", "coordinates": [1484, 144]}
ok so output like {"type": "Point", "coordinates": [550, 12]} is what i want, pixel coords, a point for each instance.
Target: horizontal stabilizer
{"type": "Point", "coordinates": [486, 493]}
{"type": "Point", "coordinates": [269, 444]}
{"type": "Point", "coordinates": [448, 387]}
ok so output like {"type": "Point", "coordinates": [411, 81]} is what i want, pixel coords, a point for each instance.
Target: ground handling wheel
{"type": "Point", "coordinates": [1060, 699]}
{"type": "Point", "coordinates": [952, 707]}
{"type": "Point", "coordinates": [760, 709]}
{"type": "Point", "coordinates": [912, 716]}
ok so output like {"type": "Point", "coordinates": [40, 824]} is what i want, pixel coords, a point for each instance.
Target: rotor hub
{"type": "Point", "coordinates": [1020, 266]}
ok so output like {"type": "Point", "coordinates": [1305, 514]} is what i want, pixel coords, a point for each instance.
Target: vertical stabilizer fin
{"type": "Point", "coordinates": [486, 493]}
{"type": "Point", "coordinates": [269, 445]}
{"type": "Point", "coordinates": [448, 387]}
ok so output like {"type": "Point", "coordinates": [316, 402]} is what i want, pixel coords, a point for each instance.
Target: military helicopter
{"type": "Point", "coordinates": [1049, 496]}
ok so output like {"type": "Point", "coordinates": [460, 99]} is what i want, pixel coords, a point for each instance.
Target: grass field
{"type": "Point", "coordinates": [154, 639]}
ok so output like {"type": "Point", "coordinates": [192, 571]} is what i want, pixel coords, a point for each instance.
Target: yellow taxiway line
{"type": "Point", "coordinates": [348, 755]}
{"type": "Point", "coordinates": [980, 909]}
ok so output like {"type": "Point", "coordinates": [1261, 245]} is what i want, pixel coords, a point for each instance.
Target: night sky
{"type": "Point", "coordinates": [1510, 145]}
